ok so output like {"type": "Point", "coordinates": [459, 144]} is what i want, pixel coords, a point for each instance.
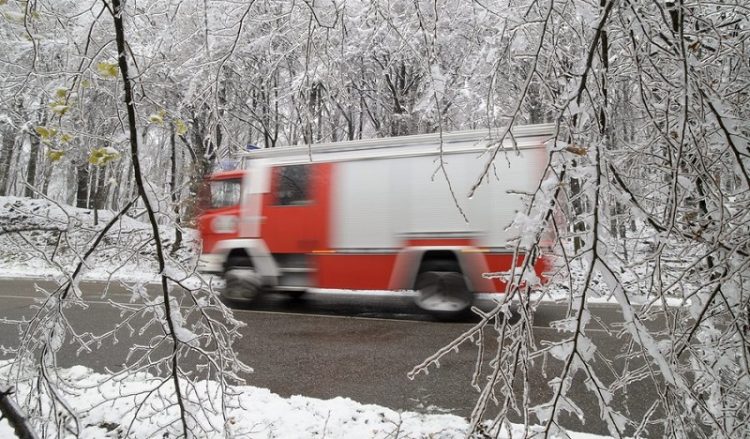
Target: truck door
{"type": "Point", "coordinates": [296, 212]}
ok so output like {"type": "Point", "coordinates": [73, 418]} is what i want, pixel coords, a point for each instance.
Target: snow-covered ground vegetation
{"type": "Point", "coordinates": [46, 239]}
{"type": "Point", "coordinates": [106, 403]}
{"type": "Point", "coordinates": [42, 238]}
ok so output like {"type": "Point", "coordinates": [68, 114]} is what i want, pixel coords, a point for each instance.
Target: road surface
{"type": "Point", "coordinates": [358, 347]}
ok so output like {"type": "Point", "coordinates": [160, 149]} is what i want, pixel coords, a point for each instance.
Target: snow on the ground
{"type": "Point", "coordinates": [106, 412]}
{"type": "Point", "coordinates": [555, 294]}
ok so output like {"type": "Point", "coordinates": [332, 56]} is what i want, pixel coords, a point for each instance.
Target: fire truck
{"type": "Point", "coordinates": [378, 214]}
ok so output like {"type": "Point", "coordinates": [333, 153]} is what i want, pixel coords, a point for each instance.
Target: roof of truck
{"type": "Point", "coordinates": [522, 137]}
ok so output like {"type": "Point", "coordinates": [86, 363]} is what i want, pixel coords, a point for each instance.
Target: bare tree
{"type": "Point", "coordinates": [183, 323]}
{"type": "Point", "coordinates": [674, 155]}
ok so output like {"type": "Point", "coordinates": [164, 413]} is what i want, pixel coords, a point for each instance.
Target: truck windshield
{"type": "Point", "coordinates": [224, 193]}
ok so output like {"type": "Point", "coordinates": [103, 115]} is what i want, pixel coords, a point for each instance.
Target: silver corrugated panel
{"type": "Point", "coordinates": [433, 209]}
{"type": "Point", "coordinates": [513, 173]}
{"type": "Point", "coordinates": [363, 196]}
{"type": "Point", "coordinates": [378, 203]}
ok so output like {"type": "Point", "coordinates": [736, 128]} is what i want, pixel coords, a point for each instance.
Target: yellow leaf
{"type": "Point", "coordinates": [180, 127]}
{"type": "Point", "coordinates": [102, 156]}
{"type": "Point", "coordinates": [156, 118]}
{"type": "Point", "coordinates": [108, 69]}
{"type": "Point", "coordinates": [45, 133]}
{"type": "Point", "coordinates": [66, 138]}
{"type": "Point", "coordinates": [85, 83]}
{"type": "Point", "coordinates": [55, 156]}
{"type": "Point", "coordinates": [61, 92]}
{"type": "Point", "coordinates": [58, 108]}
{"type": "Point", "coordinates": [18, 18]}
{"type": "Point", "coordinates": [2, 2]}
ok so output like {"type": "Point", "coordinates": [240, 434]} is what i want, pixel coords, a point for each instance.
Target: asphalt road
{"type": "Point", "coordinates": [359, 347]}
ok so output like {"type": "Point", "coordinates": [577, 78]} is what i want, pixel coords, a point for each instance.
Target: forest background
{"type": "Point", "coordinates": [127, 106]}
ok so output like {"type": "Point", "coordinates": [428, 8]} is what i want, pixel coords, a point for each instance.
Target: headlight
{"type": "Point", "coordinates": [224, 224]}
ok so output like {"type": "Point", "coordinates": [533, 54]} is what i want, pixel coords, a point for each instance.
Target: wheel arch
{"type": "Point", "coordinates": [238, 253]}
{"type": "Point", "coordinates": [256, 251]}
{"type": "Point", "coordinates": [410, 261]}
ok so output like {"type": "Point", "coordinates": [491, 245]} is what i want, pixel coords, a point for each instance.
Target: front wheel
{"type": "Point", "coordinates": [242, 283]}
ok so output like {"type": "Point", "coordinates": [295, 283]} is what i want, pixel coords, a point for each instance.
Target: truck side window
{"type": "Point", "coordinates": [293, 185]}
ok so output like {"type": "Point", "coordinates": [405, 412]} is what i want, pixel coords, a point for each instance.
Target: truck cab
{"type": "Point", "coordinates": [219, 219]}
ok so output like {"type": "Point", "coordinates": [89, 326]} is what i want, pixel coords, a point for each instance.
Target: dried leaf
{"type": "Point", "coordinates": [102, 156]}
{"type": "Point", "coordinates": [45, 133]}
{"type": "Point", "coordinates": [180, 127]}
{"type": "Point", "coordinates": [58, 108]}
{"type": "Point", "coordinates": [577, 150]}
{"type": "Point", "coordinates": [156, 119]}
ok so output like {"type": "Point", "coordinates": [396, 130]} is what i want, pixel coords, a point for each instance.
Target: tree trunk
{"type": "Point", "coordinates": [175, 195]}
{"type": "Point", "coordinates": [31, 166]}
{"type": "Point", "coordinates": [82, 185]}
{"type": "Point", "coordinates": [98, 198]}
{"type": "Point", "coordinates": [35, 143]}
{"type": "Point", "coordinates": [222, 98]}
{"type": "Point", "coordinates": [46, 177]}
{"type": "Point", "coordinates": [6, 153]}
{"type": "Point", "coordinates": [204, 156]}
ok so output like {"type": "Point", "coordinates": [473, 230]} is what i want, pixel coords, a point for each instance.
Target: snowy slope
{"type": "Point", "coordinates": [42, 238]}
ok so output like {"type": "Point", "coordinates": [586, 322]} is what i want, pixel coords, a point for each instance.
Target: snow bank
{"type": "Point", "coordinates": [39, 238]}
{"type": "Point", "coordinates": [106, 408]}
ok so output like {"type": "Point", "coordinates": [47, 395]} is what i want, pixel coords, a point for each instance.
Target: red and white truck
{"type": "Point", "coordinates": [372, 215]}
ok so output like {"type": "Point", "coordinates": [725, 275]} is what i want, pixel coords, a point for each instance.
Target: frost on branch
{"type": "Point", "coordinates": [179, 334]}
{"type": "Point", "coordinates": [647, 195]}
{"type": "Point", "coordinates": [204, 328]}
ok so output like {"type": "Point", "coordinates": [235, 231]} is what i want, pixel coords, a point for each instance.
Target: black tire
{"type": "Point", "coordinates": [442, 290]}
{"type": "Point", "coordinates": [242, 282]}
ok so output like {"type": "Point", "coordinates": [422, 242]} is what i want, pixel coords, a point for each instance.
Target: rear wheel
{"type": "Point", "coordinates": [442, 289]}
{"type": "Point", "coordinates": [242, 282]}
